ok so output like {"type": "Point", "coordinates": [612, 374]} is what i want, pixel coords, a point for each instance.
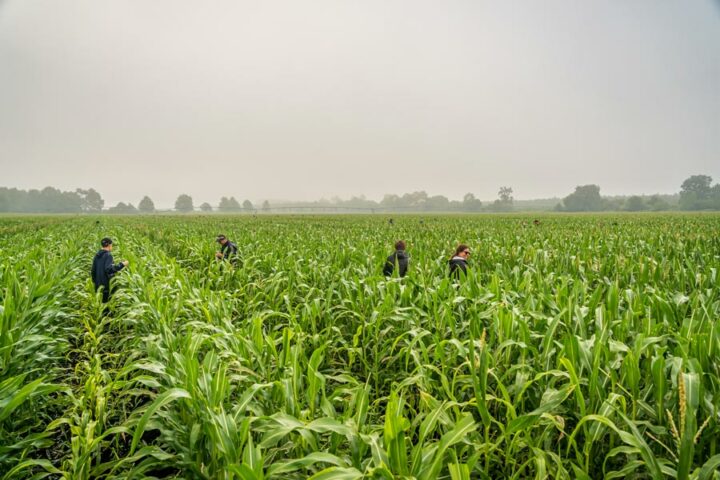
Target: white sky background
{"type": "Point", "coordinates": [308, 99]}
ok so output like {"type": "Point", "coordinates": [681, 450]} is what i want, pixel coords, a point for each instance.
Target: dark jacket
{"type": "Point", "coordinates": [228, 250]}
{"type": "Point", "coordinates": [457, 265]}
{"type": "Point", "coordinates": [103, 269]}
{"type": "Point", "coordinates": [402, 260]}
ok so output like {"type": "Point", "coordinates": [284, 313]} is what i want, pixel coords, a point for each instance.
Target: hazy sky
{"type": "Point", "coordinates": [309, 99]}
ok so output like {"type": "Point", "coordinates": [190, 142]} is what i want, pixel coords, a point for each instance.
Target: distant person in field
{"type": "Point", "coordinates": [458, 263]}
{"type": "Point", "coordinates": [400, 257]}
{"type": "Point", "coordinates": [228, 250]}
{"type": "Point", "coordinates": [103, 268]}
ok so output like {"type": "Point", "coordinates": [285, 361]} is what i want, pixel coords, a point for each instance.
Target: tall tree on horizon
{"type": "Point", "coordinates": [229, 204]}
{"type": "Point", "coordinates": [184, 203]}
{"type": "Point", "coordinates": [146, 205]}
{"type": "Point", "coordinates": [91, 201]}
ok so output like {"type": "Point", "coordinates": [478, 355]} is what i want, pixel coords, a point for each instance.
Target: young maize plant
{"type": "Point", "coordinates": [584, 347]}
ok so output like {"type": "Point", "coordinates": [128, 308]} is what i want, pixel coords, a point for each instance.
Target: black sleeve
{"type": "Point", "coordinates": [228, 250]}
{"type": "Point", "coordinates": [456, 268]}
{"type": "Point", "coordinates": [403, 264]}
{"type": "Point", "coordinates": [389, 266]}
{"type": "Point", "coordinates": [111, 269]}
{"type": "Point", "coordinates": [92, 272]}
{"type": "Point", "coordinates": [108, 268]}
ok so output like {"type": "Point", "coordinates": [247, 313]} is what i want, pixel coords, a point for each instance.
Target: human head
{"type": "Point", "coordinates": [462, 250]}
{"type": "Point", "coordinates": [400, 245]}
{"type": "Point", "coordinates": [221, 239]}
{"type": "Point", "coordinates": [106, 243]}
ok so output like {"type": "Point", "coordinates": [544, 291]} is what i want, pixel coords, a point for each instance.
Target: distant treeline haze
{"type": "Point", "coordinates": [696, 193]}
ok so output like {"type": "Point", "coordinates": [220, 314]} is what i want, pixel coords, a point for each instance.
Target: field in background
{"type": "Point", "coordinates": [584, 347]}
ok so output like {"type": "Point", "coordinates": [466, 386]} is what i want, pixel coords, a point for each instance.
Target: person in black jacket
{"type": "Point", "coordinates": [400, 257]}
{"type": "Point", "coordinates": [228, 250]}
{"type": "Point", "coordinates": [458, 263]}
{"type": "Point", "coordinates": [103, 268]}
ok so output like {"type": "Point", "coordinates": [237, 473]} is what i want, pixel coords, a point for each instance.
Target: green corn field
{"type": "Point", "coordinates": [585, 347]}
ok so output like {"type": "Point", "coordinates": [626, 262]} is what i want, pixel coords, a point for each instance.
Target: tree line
{"type": "Point", "coordinates": [696, 193]}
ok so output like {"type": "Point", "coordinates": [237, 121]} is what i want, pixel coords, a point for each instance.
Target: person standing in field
{"type": "Point", "coordinates": [458, 263]}
{"type": "Point", "coordinates": [103, 268]}
{"type": "Point", "coordinates": [228, 250]}
{"type": "Point", "coordinates": [400, 257]}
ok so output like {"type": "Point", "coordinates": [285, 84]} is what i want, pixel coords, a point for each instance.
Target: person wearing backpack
{"type": "Point", "coordinates": [400, 257]}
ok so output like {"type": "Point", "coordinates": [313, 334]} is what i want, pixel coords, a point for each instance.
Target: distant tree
{"type": "Point", "coordinates": [120, 207]}
{"type": "Point", "coordinates": [52, 200]}
{"type": "Point", "coordinates": [146, 205]}
{"type": "Point", "coordinates": [470, 203]}
{"type": "Point", "coordinates": [91, 201]}
{"type": "Point", "coordinates": [47, 200]}
{"type": "Point", "coordinates": [635, 204]}
{"type": "Point", "coordinates": [505, 195]}
{"type": "Point", "coordinates": [504, 203]}
{"type": "Point", "coordinates": [699, 184]}
{"type": "Point", "coordinates": [5, 199]}
{"type": "Point", "coordinates": [414, 200]}
{"type": "Point", "coordinates": [266, 206]}
{"type": "Point", "coordinates": [248, 206]}
{"type": "Point", "coordinates": [715, 197]}
{"type": "Point", "coordinates": [184, 203]}
{"type": "Point", "coordinates": [613, 204]}
{"type": "Point", "coordinates": [656, 203]}
{"type": "Point", "coordinates": [585, 198]}
{"type": "Point", "coordinates": [71, 202]}
{"type": "Point", "coordinates": [13, 200]}
{"type": "Point", "coordinates": [229, 204]}
{"type": "Point", "coordinates": [696, 193]}
{"type": "Point", "coordinates": [123, 208]}
{"type": "Point", "coordinates": [206, 207]}
{"type": "Point", "coordinates": [234, 205]}
{"type": "Point", "coordinates": [357, 202]}
{"type": "Point", "coordinates": [437, 203]}
{"type": "Point", "coordinates": [390, 201]}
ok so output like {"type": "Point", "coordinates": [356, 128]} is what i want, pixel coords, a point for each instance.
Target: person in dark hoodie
{"type": "Point", "coordinates": [103, 268]}
{"type": "Point", "coordinates": [228, 250]}
{"type": "Point", "coordinates": [400, 257]}
{"type": "Point", "coordinates": [458, 263]}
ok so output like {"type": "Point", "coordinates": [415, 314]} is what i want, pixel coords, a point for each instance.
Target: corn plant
{"type": "Point", "coordinates": [583, 347]}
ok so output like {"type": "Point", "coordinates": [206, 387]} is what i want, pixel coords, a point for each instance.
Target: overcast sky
{"type": "Point", "coordinates": [309, 99]}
